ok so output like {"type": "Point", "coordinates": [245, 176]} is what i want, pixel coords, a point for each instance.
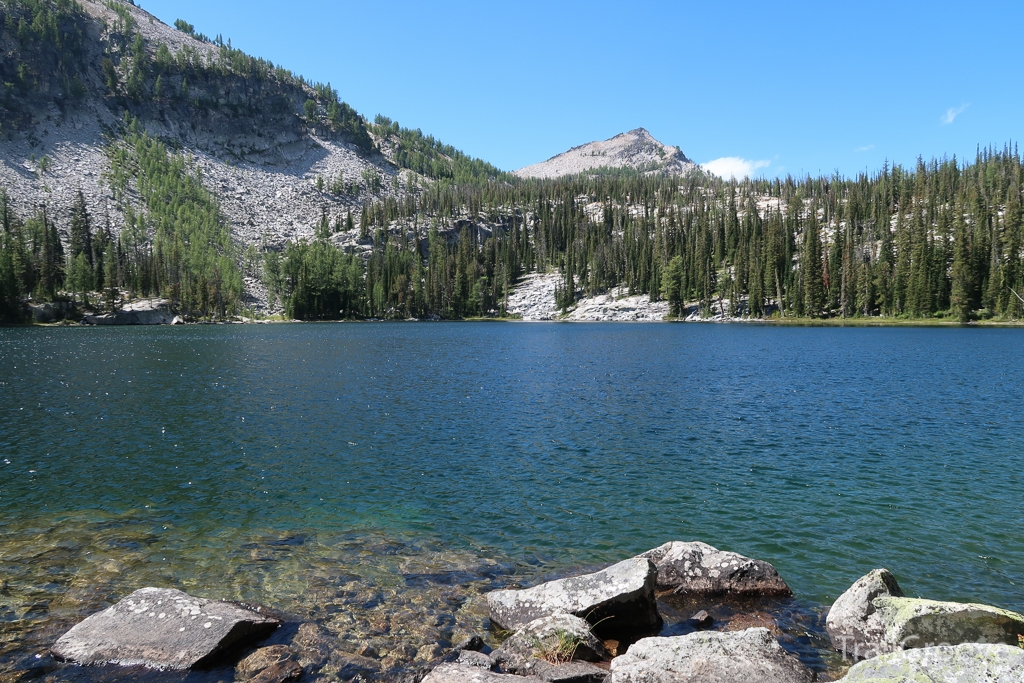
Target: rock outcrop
{"type": "Point", "coordinates": [615, 599]}
{"type": "Point", "coordinates": [710, 657]}
{"type": "Point", "coordinates": [162, 629]}
{"type": "Point", "coordinates": [559, 638]}
{"type": "Point", "coordinates": [143, 312]}
{"type": "Point", "coordinates": [969, 663]}
{"type": "Point", "coordinates": [698, 569]}
{"type": "Point", "coordinates": [873, 618]}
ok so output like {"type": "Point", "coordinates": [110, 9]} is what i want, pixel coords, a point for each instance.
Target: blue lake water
{"type": "Point", "coordinates": [251, 462]}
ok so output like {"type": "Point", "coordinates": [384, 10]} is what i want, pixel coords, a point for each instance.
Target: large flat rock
{"type": "Point", "coordinates": [617, 599]}
{"type": "Point", "coordinates": [698, 569]}
{"type": "Point", "coordinates": [968, 663]}
{"type": "Point", "coordinates": [750, 656]}
{"type": "Point", "coordinates": [162, 628]}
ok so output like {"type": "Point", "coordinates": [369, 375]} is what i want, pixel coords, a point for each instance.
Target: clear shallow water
{"type": "Point", "coordinates": [262, 462]}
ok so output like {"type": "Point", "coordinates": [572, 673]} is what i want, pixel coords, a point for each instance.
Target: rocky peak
{"type": "Point", "coordinates": [636, 149]}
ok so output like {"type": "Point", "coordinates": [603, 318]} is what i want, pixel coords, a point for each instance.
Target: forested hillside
{"type": "Point", "coordinates": [144, 160]}
{"type": "Point", "coordinates": [940, 240]}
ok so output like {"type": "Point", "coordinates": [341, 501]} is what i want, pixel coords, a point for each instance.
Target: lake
{"type": "Point", "coordinates": [377, 478]}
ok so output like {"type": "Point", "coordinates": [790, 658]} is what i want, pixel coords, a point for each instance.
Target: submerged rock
{"type": "Point", "coordinates": [274, 664]}
{"type": "Point", "coordinates": [559, 638]}
{"type": "Point", "coordinates": [615, 599]}
{"type": "Point", "coordinates": [968, 663]}
{"type": "Point", "coordinates": [874, 618]}
{"type": "Point", "coordinates": [853, 623]}
{"type": "Point", "coordinates": [163, 629]}
{"type": "Point", "coordinates": [710, 657]}
{"type": "Point", "coordinates": [462, 673]}
{"type": "Point", "coordinates": [700, 569]}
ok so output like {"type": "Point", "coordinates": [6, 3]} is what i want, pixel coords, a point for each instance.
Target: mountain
{"type": "Point", "coordinates": [637, 150]}
{"type": "Point", "coordinates": [279, 156]}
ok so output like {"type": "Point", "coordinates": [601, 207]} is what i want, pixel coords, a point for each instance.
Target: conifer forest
{"type": "Point", "coordinates": [939, 240]}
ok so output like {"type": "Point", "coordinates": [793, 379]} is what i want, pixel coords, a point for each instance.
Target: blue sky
{"type": "Point", "coordinates": [780, 88]}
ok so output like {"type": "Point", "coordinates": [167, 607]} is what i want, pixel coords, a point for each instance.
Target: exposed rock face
{"type": "Point", "coordinates": [853, 623]}
{"type": "Point", "coordinates": [970, 663]}
{"type": "Point", "coordinates": [873, 618]}
{"type": "Point", "coordinates": [636, 149]}
{"type": "Point", "coordinates": [615, 599]}
{"type": "Point", "coordinates": [144, 312]}
{"type": "Point", "coordinates": [459, 673]}
{"type": "Point", "coordinates": [699, 569]}
{"type": "Point", "coordinates": [162, 629]}
{"type": "Point", "coordinates": [710, 657]}
{"type": "Point", "coordinates": [561, 637]}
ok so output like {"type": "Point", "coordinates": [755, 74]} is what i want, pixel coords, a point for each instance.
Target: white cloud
{"type": "Point", "coordinates": [952, 113]}
{"type": "Point", "coordinates": [865, 148]}
{"type": "Point", "coordinates": [734, 167]}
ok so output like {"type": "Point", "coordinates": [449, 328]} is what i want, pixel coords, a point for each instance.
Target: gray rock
{"type": "Point", "coordinates": [568, 672]}
{"type": "Point", "coordinates": [143, 312]}
{"type": "Point", "coordinates": [163, 629]}
{"type": "Point", "coordinates": [615, 599]}
{"type": "Point", "coordinates": [461, 673]}
{"type": "Point", "coordinates": [710, 657]}
{"type": "Point", "coordinates": [969, 663]}
{"type": "Point", "coordinates": [853, 623]}
{"type": "Point", "coordinates": [874, 618]}
{"type": "Point", "coordinates": [558, 638]}
{"type": "Point", "coordinates": [474, 658]}
{"type": "Point", "coordinates": [913, 623]}
{"type": "Point", "coordinates": [700, 569]}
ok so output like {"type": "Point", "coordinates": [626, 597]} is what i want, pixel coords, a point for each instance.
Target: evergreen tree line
{"type": "Point", "coordinates": [34, 261]}
{"type": "Point", "coordinates": [941, 240]}
{"type": "Point", "coordinates": [180, 245]}
{"type": "Point", "coordinates": [421, 272]}
{"type": "Point", "coordinates": [433, 159]}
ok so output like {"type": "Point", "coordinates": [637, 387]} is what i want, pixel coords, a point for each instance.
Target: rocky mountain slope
{"type": "Point", "coordinates": [276, 163]}
{"type": "Point", "coordinates": [637, 150]}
